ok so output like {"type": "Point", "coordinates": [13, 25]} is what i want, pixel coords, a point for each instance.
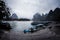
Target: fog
{"type": "Point", "coordinates": [27, 8]}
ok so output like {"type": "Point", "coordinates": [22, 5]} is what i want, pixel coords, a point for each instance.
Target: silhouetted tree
{"type": "Point", "coordinates": [24, 19]}
{"type": "Point", "coordinates": [4, 11]}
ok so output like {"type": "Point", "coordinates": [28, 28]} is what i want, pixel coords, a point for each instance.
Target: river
{"type": "Point", "coordinates": [20, 25]}
{"type": "Point", "coordinates": [16, 33]}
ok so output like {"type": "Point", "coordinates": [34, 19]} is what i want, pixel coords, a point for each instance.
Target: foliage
{"type": "Point", "coordinates": [4, 11]}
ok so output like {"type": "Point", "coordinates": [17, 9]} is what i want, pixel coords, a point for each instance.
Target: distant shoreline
{"type": "Point", "coordinates": [15, 20]}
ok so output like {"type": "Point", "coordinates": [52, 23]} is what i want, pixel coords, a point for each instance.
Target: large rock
{"type": "Point", "coordinates": [5, 26]}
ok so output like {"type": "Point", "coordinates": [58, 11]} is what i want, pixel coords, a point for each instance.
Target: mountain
{"type": "Point", "coordinates": [54, 15]}
{"type": "Point", "coordinates": [39, 17]}
{"type": "Point", "coordinates": [14, 16]}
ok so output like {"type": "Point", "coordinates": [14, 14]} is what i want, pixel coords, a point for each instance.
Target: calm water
{"type": "Point", "coordinates": [20, 25]}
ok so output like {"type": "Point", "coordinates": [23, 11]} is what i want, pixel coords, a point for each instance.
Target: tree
{"type": "Point", "coordinates": [4, 11]}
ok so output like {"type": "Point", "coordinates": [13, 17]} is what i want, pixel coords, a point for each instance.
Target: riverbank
{"type": "Point", "coordinates": [44, 34]}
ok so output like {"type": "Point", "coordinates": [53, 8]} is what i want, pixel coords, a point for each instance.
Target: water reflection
{"type": "Point", "coordinates": [20, 25]}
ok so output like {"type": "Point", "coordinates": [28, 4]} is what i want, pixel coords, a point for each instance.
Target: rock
{"type": "Point", "coordinates": [5, 26]}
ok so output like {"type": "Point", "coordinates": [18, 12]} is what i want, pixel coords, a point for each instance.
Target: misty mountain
{"type": "Point", "coordinates": [38, 17]}
{"type": "Point", "coordinates": [14, 16]}
{"type": "Point", "coordinates": [54, 15]}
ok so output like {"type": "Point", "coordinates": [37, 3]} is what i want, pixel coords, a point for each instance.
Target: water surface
{"type": "Point", "coordinates": [20, 25]}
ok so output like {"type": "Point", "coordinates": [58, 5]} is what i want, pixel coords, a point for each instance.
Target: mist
{"type": "Point", "coordinates": [27, 8]}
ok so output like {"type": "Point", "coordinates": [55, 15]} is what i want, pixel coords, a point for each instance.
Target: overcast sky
{"type": "Point", "coordinates": [27, 8]}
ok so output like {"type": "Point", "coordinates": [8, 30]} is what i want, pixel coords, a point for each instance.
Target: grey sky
{"type": "Point", "coordinates": [27, 8]}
